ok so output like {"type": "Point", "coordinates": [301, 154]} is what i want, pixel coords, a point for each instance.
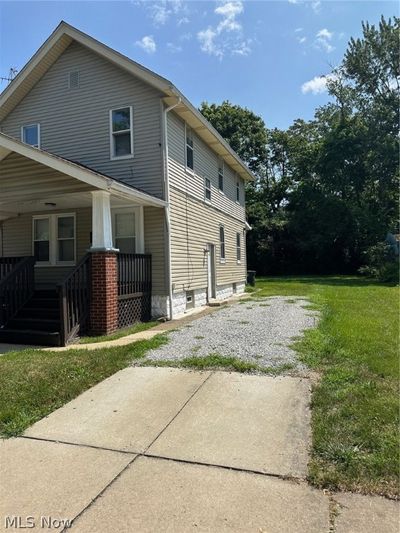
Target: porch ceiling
{"type": "Point", "coordinates": [30, 178]}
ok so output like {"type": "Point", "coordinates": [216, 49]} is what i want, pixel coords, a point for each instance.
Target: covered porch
{"type": "Point", "coordinates": [75, 248]}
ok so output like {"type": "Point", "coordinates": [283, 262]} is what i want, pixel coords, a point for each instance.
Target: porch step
{"type": "Point", "coordinates": [26, 336]}
{"type": "Point", "coordinates": [48, 313]}
{"type": "Point", "coordinates": [216, 303]}
{"type": "Point", "coordinates": [34, 324]}
{"type": "Point", "coordinates": [43, 302]}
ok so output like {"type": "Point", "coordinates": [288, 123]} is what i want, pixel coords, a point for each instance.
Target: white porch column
{"type": "Point", "coordinates": [102, 238]}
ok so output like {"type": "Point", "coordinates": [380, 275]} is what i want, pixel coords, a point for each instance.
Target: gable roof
{"type": "Point", "coordinates": [57, 43]}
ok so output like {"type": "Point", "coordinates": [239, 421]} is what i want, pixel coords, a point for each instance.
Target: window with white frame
{"type": "Point", "coordinates": [65, 239]}
{"type": "Point", "coordinates": [121, 132]}
{"type": "Point", "coordinates": [30, 134]}
{"type": "Point", "coordinates": [221, 174]}
{"type": "Point", "coordinates": [189, 149]}
{"type": "Point", "coordinates": [125, 231]}
{"type": "Point", "coordinates": [238, 248]}
{"type": "Point", "coordinates": [238, 191]}
{"type": "Point", "coordinates": [222, 243]}
{"type": "Point", "coordinates": [207, 189]}
{"type": "Point", "coordinates": [41, 239]}
{"type": "Point", "coordinates": [54, 239]}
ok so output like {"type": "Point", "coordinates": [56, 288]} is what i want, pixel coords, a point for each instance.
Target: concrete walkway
{"type": "Point", "coordinates": [158, 449]}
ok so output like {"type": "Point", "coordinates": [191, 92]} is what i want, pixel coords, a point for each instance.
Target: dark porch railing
{"type": "Point", "coordinates": [74, 294]}
{"type": "Point", "coordinates": [7, 264]}
{"type": "Point", "coordinates": [16, 286]}
{"type": "Point", "coordinates": [134, 288]}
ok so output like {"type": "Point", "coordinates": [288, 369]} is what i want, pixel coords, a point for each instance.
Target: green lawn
{"type": "Point", "coordinates": [33, 383]}
{"type": "Point", "coordinates": [355, 405]}
{"type": "Point", "coordinates": [136, 328]}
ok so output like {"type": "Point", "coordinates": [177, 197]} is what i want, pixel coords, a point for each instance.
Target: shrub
{"type": "Point", "coordinates": [381, 263]}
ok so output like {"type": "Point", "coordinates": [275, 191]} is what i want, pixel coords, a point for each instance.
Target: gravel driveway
{"type": "Point", "coordinates": [258, 331]}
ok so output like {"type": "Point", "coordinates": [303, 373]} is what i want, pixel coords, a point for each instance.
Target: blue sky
{"type": "Point", "coordinates": [267, 55]}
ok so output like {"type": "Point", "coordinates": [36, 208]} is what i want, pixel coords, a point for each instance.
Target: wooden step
{"type": "Point", "coordinates": [48, 313]}
{"type": "Point", "coordinates": [26, 336]}
{"type": "Point", "coordinates": [34, 324]}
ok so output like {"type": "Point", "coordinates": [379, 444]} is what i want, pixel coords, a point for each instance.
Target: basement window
{"type": "Point", "coordinates": [30, 134]}
{"type": "Point", "coordinates": [121, 133]}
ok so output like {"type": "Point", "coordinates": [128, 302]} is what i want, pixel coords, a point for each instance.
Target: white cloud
{"type": "Point", "coordinates": [302, 40]}
{"type": "Point", "coordinates": [298, 30]}
{"type": "Point", "coordinates": [148, 44]}
{"type": "Point", "coordinates": [163, 10]}
{"type": "Point", "coordinates": [316, 5]}
{"type": "Point", "coordinates": [293, 1]}
{"type": "Point", "coordinates": [323, 40]}
{"type": "Point", "coordinates": [325, 34]}
{"type": "Point", "coordinates": [317, 85]}
{"type": "Point", "coordinates": [173, 48]}
{"type": "Point", "coordinates": [227, 35]}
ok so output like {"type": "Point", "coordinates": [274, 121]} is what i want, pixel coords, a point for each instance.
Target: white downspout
{"type": "Point", "coordinates": [167, 199]}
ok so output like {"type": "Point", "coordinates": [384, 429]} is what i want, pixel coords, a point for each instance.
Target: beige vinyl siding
{"type": "Point", "coordinates": [17, 241]}
{"type": "Point", "coordinates": [20, 175]}
{"type": "Point", "coordinates": [205, 166]}
{"type": "Point", "coordinates": [74, 123]}
{"type": "Point", "coordinates": [193, 225]}
{"type": "Point", "coordinates": [154, 243]}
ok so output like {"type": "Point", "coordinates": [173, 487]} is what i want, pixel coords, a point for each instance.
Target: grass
{"type": "Point", "coordinates": [136, 328]}
{"type": "Point", "coordinates": [216, 361]}
{"type": "Point", "coordinates": [355, 408]}
{"type": "Point", "coordinates": [33, 383]}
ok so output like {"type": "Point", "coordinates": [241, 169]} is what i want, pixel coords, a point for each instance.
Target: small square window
{"type": "Point", "coordinates": [31, 135]}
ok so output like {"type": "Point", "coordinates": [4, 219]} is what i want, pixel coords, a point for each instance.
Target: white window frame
{"type": "Point", "coordinates": [53, 239]}
{"type": "Point", "coordinates": [139, 225]}
{"type": "Point", "coordinates": [222, 244]}
{"type": "Point", "coordinates": [112, 133]}
{"type": "Point", "coordinates": [221, 174]}
{"type": "Point", "coordinates": [30, 126]}
{"type": "Point", "coordinates": [238, 248]}
{"type": "Point", "coordinates": [207, 188]}
{"type": "Point", "coordinates": [187, 130]}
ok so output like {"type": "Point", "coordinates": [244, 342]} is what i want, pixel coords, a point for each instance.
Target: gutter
{"type": "Point", "coordinates": [167, 198]}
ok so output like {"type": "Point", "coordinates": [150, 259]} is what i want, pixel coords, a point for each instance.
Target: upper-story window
{"type": "Point", "coordinates": [189, 149]}
{"type": "Point", "coordinates": [30, 134]}
{"type": "Point", "coordinates": [121, 132]}
{"type": "Point", "coordinates": [207, 189]}
{"type": "Point", "coordinates": [222, 244]}
{"type": "Point", "coordinates": [238, 191]}
{"type": "Point", "coordinates": [220, 174]}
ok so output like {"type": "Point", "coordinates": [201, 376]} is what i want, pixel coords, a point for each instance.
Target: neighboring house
{"type": "Point", "coordinates": [99, 154]}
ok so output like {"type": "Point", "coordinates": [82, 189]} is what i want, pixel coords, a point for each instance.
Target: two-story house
{"type": "Point", "coordinates": [118, 200]}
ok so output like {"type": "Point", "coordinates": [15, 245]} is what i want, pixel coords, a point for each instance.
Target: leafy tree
{"type": "Point", "coordinates": [326, 189]}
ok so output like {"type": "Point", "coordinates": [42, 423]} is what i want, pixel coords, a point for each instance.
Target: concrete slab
{"type": "Point", "coordinates": [54, 481]}
{"type": "Point", "coordinates": [366, 514]}
{"type": "Point", "coordinates": [251, 422]}
{"type": "Point", "coordinates": [125, 412]}
{"type": "Point", "coordinates": [5, 347]}
{"type": "Point", "coordinates": [158, 495]}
